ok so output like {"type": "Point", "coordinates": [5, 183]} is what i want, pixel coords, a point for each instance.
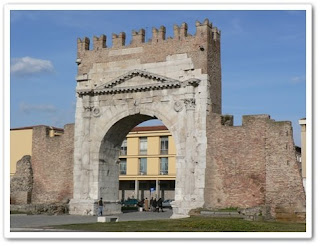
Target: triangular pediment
{"type": "Point", "coordinates": [135, 78]}
{"type": "Point", "coordinates": [138, 80]}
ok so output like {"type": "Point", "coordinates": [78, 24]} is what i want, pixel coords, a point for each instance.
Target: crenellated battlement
{"type": "Point", "coordinates": [204, 29]}
{"type": "Point", "coordinates": [250, 120]}
{"type": "Point", "coordinates": [158, 35]}
{"type": "Point", "coordinates": [83, 44]}
{"type": "Point", "coordinates": [138, 37]}
{"type": "Point", "coordinates": [118, 40]}
{"type": "Point", "coordinates": [99, 42]}
{"type": "Point", "coordinates": [181, 32]}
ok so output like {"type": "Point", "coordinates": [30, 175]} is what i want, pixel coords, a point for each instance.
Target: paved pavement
{"type": "Point", "coordinates": [43, 222]}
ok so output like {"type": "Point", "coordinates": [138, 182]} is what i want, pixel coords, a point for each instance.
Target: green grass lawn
{"type": "Point", "coordinates": [192, 224]}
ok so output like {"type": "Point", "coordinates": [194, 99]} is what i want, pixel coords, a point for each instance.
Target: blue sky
{"type": "Point", "coordinates": [263, 59]}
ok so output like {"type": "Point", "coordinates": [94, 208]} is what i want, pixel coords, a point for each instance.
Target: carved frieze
{"type": "Point", "coordinates": [87, 108]}
{"type": "Point", "coordinates": [87, 111]}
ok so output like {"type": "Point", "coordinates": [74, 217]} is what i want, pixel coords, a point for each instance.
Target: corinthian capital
{"type": "Point", "coordinates": [190, 103]}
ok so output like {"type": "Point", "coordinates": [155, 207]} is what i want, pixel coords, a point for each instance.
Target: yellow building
{"type": "Point", "coordinates": [21, 143]}
{"type": "Point", "coordinates": [146, 161]}
{"type": "Point", "coordinates": [147, 164]}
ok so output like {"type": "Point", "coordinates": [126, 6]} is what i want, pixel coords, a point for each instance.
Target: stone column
{"type": "Point", "coordinates": [136, 189]}
{"type": "Point", "coordinates": [82, 202]}
{"type": "Point", "coordinates": [85, 148]}
{"type": "Point", "coordinates": [189, 184]}
{"type": "Point", "coordinates": [157, 188]}
{"type": "Point", "coordinates": [185, 181]}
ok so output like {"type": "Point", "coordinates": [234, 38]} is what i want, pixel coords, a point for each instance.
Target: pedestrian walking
{"type": "Point", "coordinates": [159, 203]}
{"type": "Point", "coordinates": [150, 205]}
{"type": "Point", "coordinates": [100, 204]}
{"type": "Point", "coordinates": [154, 205]}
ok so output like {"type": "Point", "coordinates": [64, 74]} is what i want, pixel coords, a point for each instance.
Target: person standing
{"type": "Point", "coordinates": [154, 205]}
{"type": "Point", "coordinates": [151, 202]}
{"type": "Point", "coordinates": [100, 204]}
{"type": "Point", "coordinates": [146, 205]}
{"type": "Point", "coordinates": [160, 205]}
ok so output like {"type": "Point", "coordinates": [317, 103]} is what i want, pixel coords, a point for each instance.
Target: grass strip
{"type": "Point", "coordinates": [192, 224]}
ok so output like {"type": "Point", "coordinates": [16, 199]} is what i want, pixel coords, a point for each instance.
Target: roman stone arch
{"type": "Point", "coordinates": [107, 113]}
{"type": "Point", "coordinates": [176, 80]}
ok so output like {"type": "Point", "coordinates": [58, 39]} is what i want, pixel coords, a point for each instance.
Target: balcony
{"type": "Point", "coordinates": [163, 152]}
{"type": "Point", "coordinates": [164, 172]}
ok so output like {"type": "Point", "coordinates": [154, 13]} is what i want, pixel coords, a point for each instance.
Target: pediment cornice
{"type": "Point", "coordinates": [157, 82]}
{"type": "Point", "coordinates": [136, 73]}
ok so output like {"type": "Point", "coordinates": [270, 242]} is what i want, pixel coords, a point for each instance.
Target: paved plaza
{"type": "Point", "coordinates": [20, 222]}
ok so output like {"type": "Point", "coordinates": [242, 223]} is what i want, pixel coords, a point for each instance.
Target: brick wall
{"type": "Point", "coordinates": [52, 164]}
{"type": "Point", "coordinates": [152, 51]}
{"type": "Point", "coordinates": [284, 186]}
{"type": "Point", "coordinates": [253, 165]}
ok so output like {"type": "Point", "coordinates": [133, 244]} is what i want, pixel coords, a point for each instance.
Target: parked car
{"type": "Point", "coordinates": [130, 203]}
{"type": "Point", "coordinates": [167, 203]}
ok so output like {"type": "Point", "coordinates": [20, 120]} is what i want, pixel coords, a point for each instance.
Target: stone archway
{"type": "Point", "coordinates": [104, 117]}
{"type": "Point", "coordinates": [177, 80]}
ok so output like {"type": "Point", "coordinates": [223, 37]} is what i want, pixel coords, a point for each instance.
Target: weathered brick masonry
{"type": "Point", "coordinates": [253, 165]}
{"type": "Point", "coordinates": [22, 182]}
{"type": "Point", "coordinates": [52, 164]}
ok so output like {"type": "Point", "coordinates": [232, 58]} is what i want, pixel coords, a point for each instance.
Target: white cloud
{"type": "Point", "coordinates": [27, 66]}
{"type": "Point", "coordinates": [31, 108]}
{"type": "Point", "coordinates": [298, 79]}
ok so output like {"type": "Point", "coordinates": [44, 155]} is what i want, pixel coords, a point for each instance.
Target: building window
{"type": "Point", "coordinates": [143, 166]}
{"type": "Point", "coordinates": [164, 145]}
{"type": "Point", "coordinates": [123, 166]}
{"type": "Point", "coordinates": [123, 149]}
{"type": "Point", "coordinates": [143, 146]}
{"type": "Point", "coordinates": [164, 166]}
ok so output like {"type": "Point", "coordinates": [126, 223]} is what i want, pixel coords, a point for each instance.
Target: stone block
{"type": "Point", "coordinates": [104, 219]}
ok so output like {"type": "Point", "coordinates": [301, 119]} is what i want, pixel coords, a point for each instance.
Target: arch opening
{"type": "Point", "coordinates": [137, 161]}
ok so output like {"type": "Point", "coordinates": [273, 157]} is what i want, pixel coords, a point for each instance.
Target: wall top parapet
{"type": "Point", "coordinates": [158, 36]}
{"type": "Point", "coordinates": [157, 82]}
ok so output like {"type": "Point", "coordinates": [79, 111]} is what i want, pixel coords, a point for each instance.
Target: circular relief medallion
{"type": "Point", "coordinates": [178, 106]}
{"type": "Point", "coordinates": [96, 112]}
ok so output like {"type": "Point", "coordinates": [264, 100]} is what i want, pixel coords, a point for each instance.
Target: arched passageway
{"type": "Point", "coordinates": [142, 167]}
{"type": "Point", "coordinates": [102, 127]}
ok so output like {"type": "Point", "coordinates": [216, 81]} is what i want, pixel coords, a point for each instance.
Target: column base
{"type": "Point", "coordinates": [181, 209]}
{"type": "Point", "coordinates": [89, 207]}
{"type": "Point", "coordinates": [179, 212]}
